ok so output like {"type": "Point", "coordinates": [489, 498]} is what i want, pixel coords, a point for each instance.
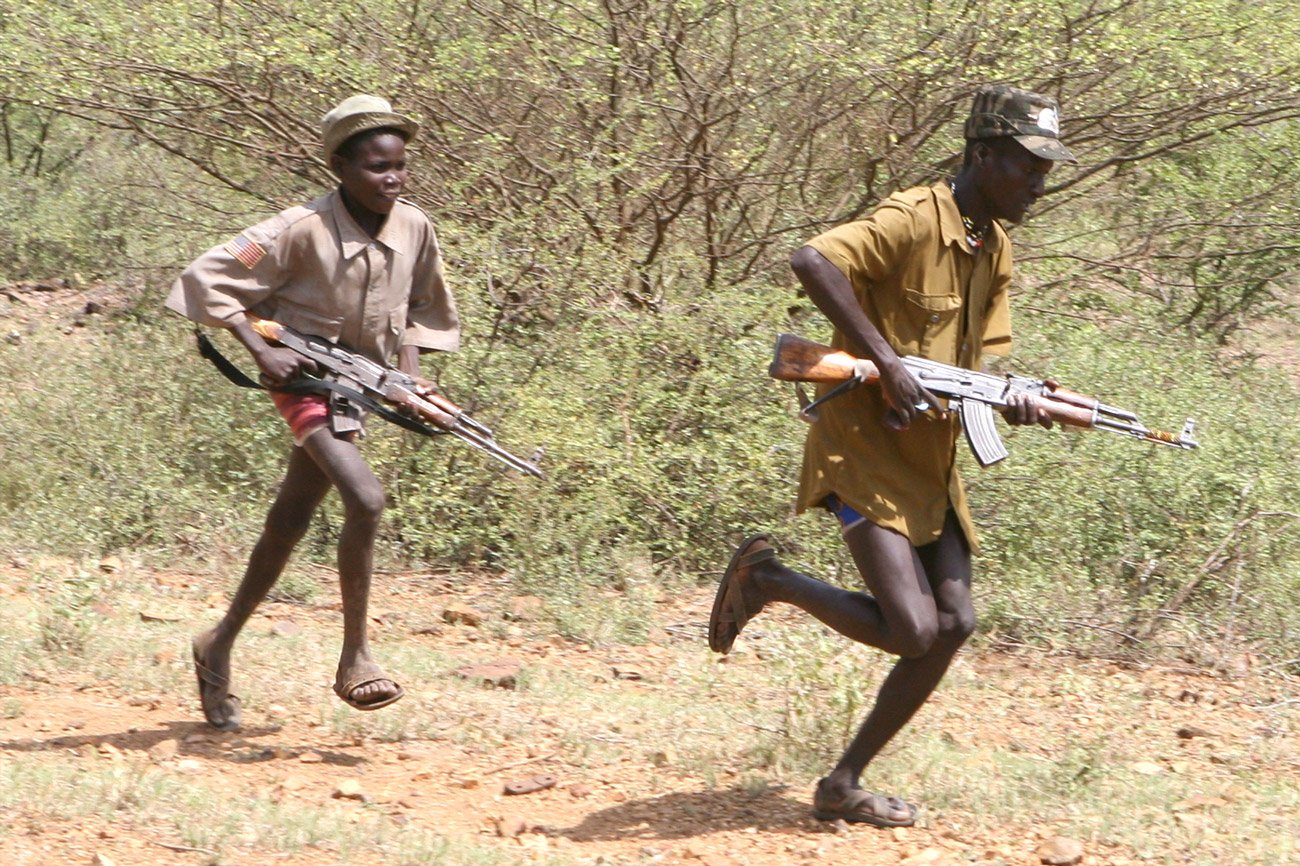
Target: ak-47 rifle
{"type": "Point", "coordinates": [420, 408]}
{"type": "Point", "coordinates": [971, 394]}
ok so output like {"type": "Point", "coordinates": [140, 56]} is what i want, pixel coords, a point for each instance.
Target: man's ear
{"type": "Point", "coordinates": [336, 164]}
{"type": "Point", "coordinates": [981, 153]}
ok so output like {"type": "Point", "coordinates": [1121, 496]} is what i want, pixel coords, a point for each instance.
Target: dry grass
{"type": "Point", "coordinates": [664, 753]}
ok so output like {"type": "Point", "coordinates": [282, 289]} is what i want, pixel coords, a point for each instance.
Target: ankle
{"type": "Point", "coordinates": [770, 580]}
{"type": "Point", "coordinates": [350, 657]}
{"type": "Point", "coordinates": [841, 779]}
{"type": "Point", "coordinates": [220, 638]}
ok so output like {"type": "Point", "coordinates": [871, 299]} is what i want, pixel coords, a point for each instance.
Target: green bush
{"type": "Point", "coordinates": [119, 440]}
{"type": "Point", "coordinates": [665, 444]}
{"type": "Point", "coordinates": [1093, 531]}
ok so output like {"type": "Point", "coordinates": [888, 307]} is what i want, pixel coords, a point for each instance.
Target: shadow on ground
{"type": "Point", "coordinates": [207, 743]}
{"type": "Point", "coordinates": [690, 813]}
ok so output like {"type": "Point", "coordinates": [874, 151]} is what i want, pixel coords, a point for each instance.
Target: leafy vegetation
{"type": "Point", "coordinates": [618, 190]}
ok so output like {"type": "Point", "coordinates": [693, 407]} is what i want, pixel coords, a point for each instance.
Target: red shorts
{"type": "Point", "coordinates": [304, 413]}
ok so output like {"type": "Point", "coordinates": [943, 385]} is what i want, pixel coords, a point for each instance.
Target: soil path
{"type": "Point", "coordinates": [624, 743]}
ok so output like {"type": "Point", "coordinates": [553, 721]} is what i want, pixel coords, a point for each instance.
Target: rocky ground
{"type": "Point", "coordinates": [624, 754]}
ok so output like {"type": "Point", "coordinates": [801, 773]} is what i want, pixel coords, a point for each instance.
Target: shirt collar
{"type": "Point", "coordinates": [354, 238]}
{"type": "Point", "coordinates": [950, 224]}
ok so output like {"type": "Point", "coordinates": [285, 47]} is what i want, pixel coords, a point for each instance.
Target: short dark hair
{"type": "Point", "coordinates": [348, 149]}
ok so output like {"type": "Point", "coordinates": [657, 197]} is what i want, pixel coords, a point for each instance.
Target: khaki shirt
{"type": "Point", "coordinates": [929, 294]}
{"type": "Point", "coordinates": [314, 269]}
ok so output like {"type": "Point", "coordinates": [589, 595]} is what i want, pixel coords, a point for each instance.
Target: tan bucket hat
{"type": "Point", "coordinates": [357, 114]}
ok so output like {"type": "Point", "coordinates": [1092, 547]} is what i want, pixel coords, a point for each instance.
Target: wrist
{"type": "Point", "coordinates": [260, 353]}
{"type": "Point", "coordinates": [891, 364]}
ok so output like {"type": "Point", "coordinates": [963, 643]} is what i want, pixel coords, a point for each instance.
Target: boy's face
{"type": "Point", "coordinates": [376, 173]}
{"type": "Point", "coordinates": [1010, 179]}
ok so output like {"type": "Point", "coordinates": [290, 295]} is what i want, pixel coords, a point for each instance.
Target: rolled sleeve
{"type": "Point", "coordinates": [432, 321]}
{"type": "Point", "coordinates": [219, 286]}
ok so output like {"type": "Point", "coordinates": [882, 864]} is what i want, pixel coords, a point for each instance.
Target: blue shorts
{"type": "Point", "coordinates": [847, 514]}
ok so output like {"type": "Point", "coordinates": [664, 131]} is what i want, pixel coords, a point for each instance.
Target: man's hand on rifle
{"type": "Point", "coordinates": [1023, 409]}
{"type": "Point", "coordinates": [906, 397]}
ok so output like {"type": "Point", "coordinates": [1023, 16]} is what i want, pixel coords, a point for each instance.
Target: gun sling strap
{"type": "Point", "coordinates": [309, 385]}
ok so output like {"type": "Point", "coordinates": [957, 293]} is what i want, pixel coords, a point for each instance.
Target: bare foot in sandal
{"type": "Point", "coordinates": [212, 670]}
{"type": "Point", "coordinates": [738, 599]}
{"type": "Point", "coordinates": [857, 806]}
{"type": "Point", "coordinates": [365, 686]}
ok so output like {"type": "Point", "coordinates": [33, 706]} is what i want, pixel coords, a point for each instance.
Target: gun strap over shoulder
{"type": "Point", "coordinates": [309, 385]}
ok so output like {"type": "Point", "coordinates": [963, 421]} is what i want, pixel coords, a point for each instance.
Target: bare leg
{"type": "Point", "coordinates": [945, 564]}
{"type": "Point", "coordinates": [363, 504]}
{"type": "Point", "coordinates": [898, 617]}
{"type": "Point", "coordinates": [919, 608]}
{"type": "Point", "coordinates": [300, 493]}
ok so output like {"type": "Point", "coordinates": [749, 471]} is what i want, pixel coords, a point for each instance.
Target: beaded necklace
{"type": "Point", "coordinates": [974, 234]}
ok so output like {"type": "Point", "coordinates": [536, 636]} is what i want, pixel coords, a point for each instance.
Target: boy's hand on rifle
{"type": "Point", "coordinates": [424, 387]}
{"type": "Point", "coordinates": [280, 365]}
{"type": "Point", "coordinates": [1023, 409]}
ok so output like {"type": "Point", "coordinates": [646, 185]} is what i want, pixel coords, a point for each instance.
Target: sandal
{"type": "Point", "coordinates": [363, 675]}
{"type": "Point", "coordinates": [729, 613]}
{"type": "Point", "coordinates": [863, 807]}
{"type": "Point", "coordinates": [221, 709]}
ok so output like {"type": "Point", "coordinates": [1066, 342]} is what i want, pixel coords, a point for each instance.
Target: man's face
{"type": "Point", "coordinates": [376, 173]}
{"type": "Point", "coordinates": [1010, 178]}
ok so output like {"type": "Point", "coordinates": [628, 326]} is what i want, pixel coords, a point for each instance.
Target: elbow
{"type": "Point", "coordinates": [803, 261]}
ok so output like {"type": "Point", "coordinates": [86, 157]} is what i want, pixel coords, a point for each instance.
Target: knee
{"type": "Point", "coordinates": [287, 524]}
{"type": "Point", "coordinates": [366, 504]}
{"type": "Point", "coordinates": [917, 638]}
{"type": "Point", "coordinates": [954, 629]}
{"type": "Point", "coordinates": [942, 634]}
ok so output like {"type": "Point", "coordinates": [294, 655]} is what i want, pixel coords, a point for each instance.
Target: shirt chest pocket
{"type": "Point", "coordinates": [932, 322]}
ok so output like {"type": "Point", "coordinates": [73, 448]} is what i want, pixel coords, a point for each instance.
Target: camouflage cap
{"type": "Point", "coordinates": [1034, 120]}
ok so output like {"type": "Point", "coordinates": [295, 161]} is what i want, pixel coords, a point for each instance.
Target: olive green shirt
{"type": "Point", "coordinates": [929, 294]}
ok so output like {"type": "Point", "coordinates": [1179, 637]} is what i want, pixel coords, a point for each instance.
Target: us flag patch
{"type": "Point", "coordinates": [247, 250]}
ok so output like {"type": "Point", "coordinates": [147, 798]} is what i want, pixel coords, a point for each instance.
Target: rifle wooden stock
{"type": "Point", "coordinates": [437, 408]}
{"type": "Point", "coordinates": [398, 389]}
{"type": "Point", "coordinates": [265, 328]}
{"type": "Point", "coordinates": [800, 360]}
